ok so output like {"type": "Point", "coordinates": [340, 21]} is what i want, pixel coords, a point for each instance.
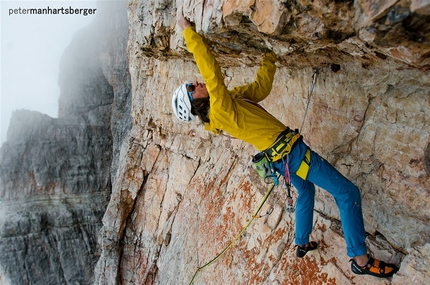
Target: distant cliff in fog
{"type": "Point", "coordinates": [56, 173]}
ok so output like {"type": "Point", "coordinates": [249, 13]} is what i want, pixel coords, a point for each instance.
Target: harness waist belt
{"type": "Point", "coordinates": [282, 145]}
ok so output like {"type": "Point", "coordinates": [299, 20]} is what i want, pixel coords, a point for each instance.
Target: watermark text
{"type": "Point", "coordinates": [53, 11]}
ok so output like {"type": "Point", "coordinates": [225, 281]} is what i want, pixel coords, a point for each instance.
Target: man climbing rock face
{"type": "Point", "coordinates": [237, 112]}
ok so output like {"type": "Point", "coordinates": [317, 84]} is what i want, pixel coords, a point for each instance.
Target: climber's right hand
{"type": "Point", "coordinates": [181, 20]}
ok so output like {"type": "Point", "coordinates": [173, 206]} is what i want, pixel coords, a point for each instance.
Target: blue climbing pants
{"type": "Point", "coordinates": [345, 193]}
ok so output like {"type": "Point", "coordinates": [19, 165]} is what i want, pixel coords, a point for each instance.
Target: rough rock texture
{"type": "Point", "coordinates": [180, 194]}
{"type": "Point", "coordinates": [55, 173]}
{"type": "Point", "coordinates": [183, 194]}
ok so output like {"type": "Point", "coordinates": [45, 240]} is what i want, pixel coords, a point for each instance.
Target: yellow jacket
{"type": "Point", "coordinates": [229, 110]}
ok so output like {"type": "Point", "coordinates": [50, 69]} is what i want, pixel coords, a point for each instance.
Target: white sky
{"type": "Point", "coordinates": [31, 49]}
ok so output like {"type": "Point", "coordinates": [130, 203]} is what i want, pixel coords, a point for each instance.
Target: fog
{"type": "Point", "coordinates": [31, 49]}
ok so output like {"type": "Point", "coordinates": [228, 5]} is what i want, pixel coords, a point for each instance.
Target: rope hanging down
{"type": "Point", "coordinates": [239, 235]}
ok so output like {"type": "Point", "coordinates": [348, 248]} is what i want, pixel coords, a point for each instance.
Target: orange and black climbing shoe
{"type": "Point", "coordinates": [374, 267]}
{"type": "Point", "coordinates": [303, 249]}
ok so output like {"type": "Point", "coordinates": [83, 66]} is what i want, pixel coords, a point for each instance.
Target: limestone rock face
{"type": "Point", "coordinates": [55, 173]}
{"type": "Point", "coordinates": [177, 195]}
{"type": "Point", "coordinates": [182, 194]}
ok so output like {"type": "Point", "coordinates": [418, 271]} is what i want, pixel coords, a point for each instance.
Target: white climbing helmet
{"type": "Point", "coordinates": [181, 104]}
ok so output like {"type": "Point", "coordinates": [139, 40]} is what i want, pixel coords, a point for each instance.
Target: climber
{"type": "Point", "coordinates": [236, 112]}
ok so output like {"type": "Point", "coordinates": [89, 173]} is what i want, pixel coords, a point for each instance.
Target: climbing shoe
{"type": "Point", "coordinates": [374, 267]}
{"type": "Point", "coordinates": [303, 249]}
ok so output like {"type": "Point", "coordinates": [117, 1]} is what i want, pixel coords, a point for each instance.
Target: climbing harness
{"type": "Point", "coordinates": [282, 145]}
{"type": "Point", "coordinates": [264, 163]}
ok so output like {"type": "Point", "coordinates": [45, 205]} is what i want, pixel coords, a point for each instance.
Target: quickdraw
{"type": "Point", "coordinates": [311, 89]}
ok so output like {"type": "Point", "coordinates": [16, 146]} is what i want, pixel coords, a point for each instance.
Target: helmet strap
{"type": "Point", "coordinates": [200, 107]}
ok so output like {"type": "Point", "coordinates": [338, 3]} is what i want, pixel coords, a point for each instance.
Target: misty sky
{"type": "Point", "coordinates": [31, 49]}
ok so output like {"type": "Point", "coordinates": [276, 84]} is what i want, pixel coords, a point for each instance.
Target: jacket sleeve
{"type": "Point", "coordinates": [207, 64]}
{"type": "Point", "coordinates": [261, 87]}
{"type": "Point", "coordinates": [221, 105]}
